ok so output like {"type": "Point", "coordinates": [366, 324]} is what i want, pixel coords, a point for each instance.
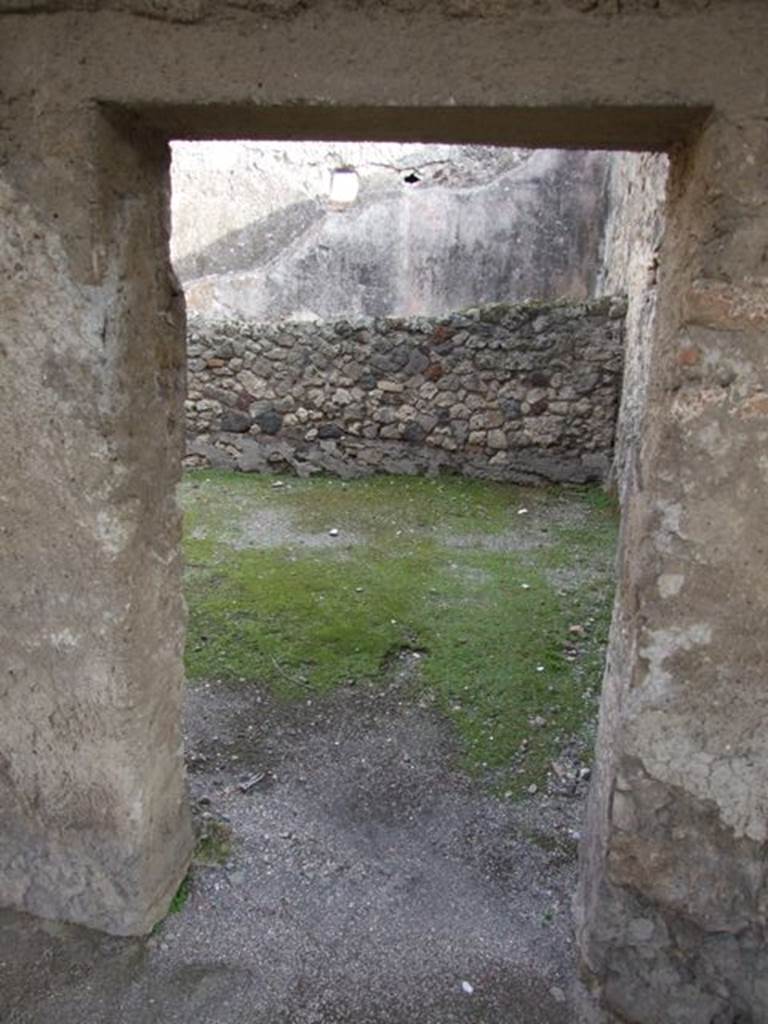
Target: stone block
{"type": "Point", "coordinates": [235, 422]}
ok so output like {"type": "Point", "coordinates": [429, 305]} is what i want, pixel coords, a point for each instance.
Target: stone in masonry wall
{"type": "Point", "coordinates": [527, 393]}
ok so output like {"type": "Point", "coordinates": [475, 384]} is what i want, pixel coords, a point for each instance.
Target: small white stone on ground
{"type": "Point", "coordinates": [557, 994]}
{"type": "Point", "coordinates": [333, 532]}
{"type": "Point", "coordinates": [466, 987]}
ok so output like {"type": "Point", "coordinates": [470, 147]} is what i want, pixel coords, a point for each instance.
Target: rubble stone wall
{"type": "Point", "coordinates": [518, 392]}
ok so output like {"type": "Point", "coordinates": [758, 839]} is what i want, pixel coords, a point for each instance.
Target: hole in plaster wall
{"type": "Point", "coordinates": [345, 185]}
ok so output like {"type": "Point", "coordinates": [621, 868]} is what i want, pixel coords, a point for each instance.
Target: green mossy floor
{"type": "Point", "coordinates": [508, 610]}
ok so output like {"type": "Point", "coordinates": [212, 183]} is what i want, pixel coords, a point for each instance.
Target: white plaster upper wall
{"type": "Point", "coordinates": [220, 187]}
{"type": "Point", "coordinates": [483, 224]}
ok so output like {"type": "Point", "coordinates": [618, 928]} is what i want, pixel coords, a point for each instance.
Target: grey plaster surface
{"type": "Point", "coordinates": [259, 237]}
{"type": "Point", "coordinates": [368, 879]}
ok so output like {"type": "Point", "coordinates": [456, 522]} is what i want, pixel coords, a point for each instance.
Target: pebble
{"type": "Point", "coordinates": [533, 789]}
{"type": "Point", "coordinates": [467, 988]}
{"type": "Point", "coordinates": [333, 532]}
{"type": "Point", "coordinates": [557, 994]}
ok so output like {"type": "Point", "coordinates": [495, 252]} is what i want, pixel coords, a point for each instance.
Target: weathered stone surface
{"type": "Point", "coordinates": [674, 875]}
{"type": "Point", "coordinates": [95, 824]}
{"type": "Point", "coordinates": [520, 347]}
{"type": "Point", "coordinates": [192, 11]}
{"type": "Point", "coordinates": [91, 782]}
{"type": "Point", "coordinates": [637, 186]}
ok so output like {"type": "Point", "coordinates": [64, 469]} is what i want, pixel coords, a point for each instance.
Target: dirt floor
{"type": "Point", "coordinates": [352, 867]}
{"type": "Point", "coordinates": [368, 881]}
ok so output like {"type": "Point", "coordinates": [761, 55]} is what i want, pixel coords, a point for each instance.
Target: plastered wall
{"type": "Point", "coordinates": [258, 234]}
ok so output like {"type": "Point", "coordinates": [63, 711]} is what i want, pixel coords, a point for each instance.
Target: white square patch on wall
{"type": "Point", "coordinates": [345, 184]}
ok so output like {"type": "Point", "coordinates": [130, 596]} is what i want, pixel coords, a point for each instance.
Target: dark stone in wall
{"type": "Point", "coordinates": [329, 431]}
{"type": "Point", "coordinates": [512, 408]}
{"type": "Point", "coordinates": [235, 422]}
{"type": "Point", "coordinates": [270, 421]}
